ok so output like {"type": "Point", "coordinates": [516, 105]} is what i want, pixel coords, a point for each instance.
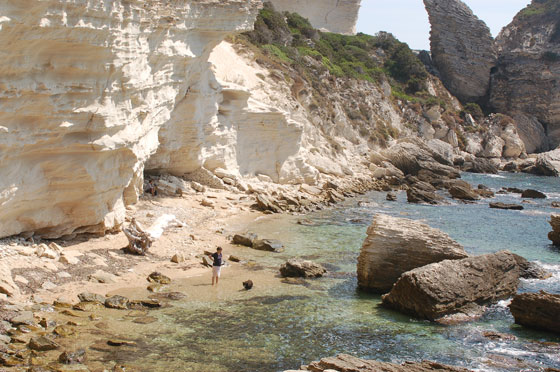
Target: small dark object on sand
{"type": "Point", "coordinates": [248, 284]}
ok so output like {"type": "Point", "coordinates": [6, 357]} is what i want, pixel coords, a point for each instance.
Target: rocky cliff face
{"type": "Point", "coordinates": [462, 48]}
{"type": "Point", "coordinates": [526, 78]}
{"type": "Point", "coordinates": [338, 16]}
{"type": "Point", "coordinates": [85, 88]}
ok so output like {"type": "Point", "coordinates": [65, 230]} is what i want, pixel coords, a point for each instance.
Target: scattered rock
{"type": "Point", "coordinates": [248, 284]}
{"type": "Point", "coordinates": [178, 258]}
{"type": "Point", "coordinates": [87, 306]}
{"type": "Point", "coordinates": [537, 310]}
{"type": "Point", "coordinates": [69, 260]}
{"type": "Point", "coordinates": [7, 285]}
{"type": "Point", "coordinates": [23, 318]}
{"type": "Point", "coordinates": [72, 357]}
{"type": "Point", "coordinates": [117, 302]}
{"type": "Point", "coordinates": [455, 286]}
{"type": "Point", "coordinates": [117, 342]}
{"type": "Point", "coordinates": [302, 269]}
{"type": "Point", "coordinates": [151, 303]}
{"type": "Point", "coordinates": [198, 187]}
{"type": "Point", "coordinates": [348, 363]}
{"type": "Point", "coordinates": [391, 196]}
{"type": "Point", "coordinates": [554, 235]}
{"type": "Point", "coordinates": [234, 258]}
{"type": "Point", "coordinates": [101, 276]}
{"type": "Point", "coordinates": [155, 287]}
{"type": "Point", "coordinates": [157, 277]}
{"type": "Point", "coordinates": [269, 245]}
{"type": "Point", "coordinates": [499, 205]}
{"type": "Point", "coordinates": [42, 343]}
{"type": "Point", "coordinates": [206, 203]}
{"type": "Point", "coordinates": [396, 245]}
{"type": "Point", "coordinates": [533, 194]}
{"type": "Point", "coordinates": [463, 192]}
{"type": "Point", "coordinates": [64, 330]}
{"type": "Point", "coordinates": [245, 239]}
{"type": "Point", "coordinates": [91, 297]}
{"type": "Point", "coordinates": [414, 195]}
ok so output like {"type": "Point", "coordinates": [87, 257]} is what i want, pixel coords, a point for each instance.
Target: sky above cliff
{"type": "Point", "coordinates": [408, 20]}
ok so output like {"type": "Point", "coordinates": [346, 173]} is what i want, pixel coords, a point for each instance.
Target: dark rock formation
{"type": "Point", "coordinates": [245, 239]}
{"type": "Point", "coordinates": [348, 363]}
{"type": "Point", "coordinates": [269, 245]}
{"type": "Point", "coordinates": [462, 190]}
{"type": "Point", "coordinates": [396, 245]}
{"type": "Point", "coordinates": [462, 48]}
{"type": "Point", "coordinates": [526, 78]}
{"type": "Point", "coordinates": [72, 357]}
{"type": "Point", "coordinates": [530, 270]}
{"type": "Point", "coordinates": [537, 310]}
{"type": "Point", "coordinates": [479, 165]}
{"type": "Point", "coordinates": [554, 235]}
{"type": "Point", "coordinates": [455, 286]}
{"type": "Point", "coordinates": [248, 284]}
{"type": "Point", "coordinates": [500, 205]}
{"type": "Point", "coordinates": [302, 269]}
{"type": "Point", "coordinates": [532, 194]}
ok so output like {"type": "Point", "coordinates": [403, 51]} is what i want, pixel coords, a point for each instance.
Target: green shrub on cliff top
{"type": "Point", "coordinates": [289, 38]}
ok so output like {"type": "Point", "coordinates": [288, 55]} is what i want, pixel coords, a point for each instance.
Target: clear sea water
{"type": "Point", "coordinates": [281, 326]}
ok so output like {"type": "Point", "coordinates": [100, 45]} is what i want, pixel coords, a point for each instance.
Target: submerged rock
{"type": "Point", "coordinates": [91, 297]}
{"type": "Point", "coordinates": [269, 245]}
{"type": "Point", "coordinates": [42, 343]}
{"type": "Point", "coordinates": [417, 195]}
{"type": "Point", "coordinates": [302, 269]}
{"type": "Point", "coordinates": [396, 245]}
{"type": "Point", "coordinates": [455, 286]}
{"type": "Point", "coordinates": [245, 239]}
{"type": "Point", "coordinates": [117, 302]}
{"type": "Point", "coordinates": [537, 310]}
{"type": "Point", "coordinates": [72, 357]}
{"type": "Point", "coordinates": [159, 278]}
{"type": "Point", "coordinates": [348, 363]}
{"type": "Point", "coordinates": [533, 194]}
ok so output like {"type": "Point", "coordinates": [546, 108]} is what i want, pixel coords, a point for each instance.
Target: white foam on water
{"type": "Point", "coordinates": [495, 176]}
{"type": "Point", "coordinates": [535, 213]}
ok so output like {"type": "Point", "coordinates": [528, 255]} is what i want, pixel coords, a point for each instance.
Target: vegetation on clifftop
{"type": "Point", "coordinates": [290, 38]}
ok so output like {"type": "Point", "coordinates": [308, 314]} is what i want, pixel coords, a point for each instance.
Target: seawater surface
{"type": "Point", "coordinates": [280, 326]}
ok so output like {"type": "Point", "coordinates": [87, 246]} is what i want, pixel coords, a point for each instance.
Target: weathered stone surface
{"type": "Point", "coordinates": [454, 286]}
{"type": "Point", "coordinates": [396, 245]}
{"type": "Point", "coordinates": [525, 78]}
{"type": "Point", "coordinates": [548, 164]}
{"type": "Point", "coordinates": [72, 357]}
{"type": "Point", "coordinates": [157, 277]}
{"type": "Point", "coordinates": [81, 126]}
{"type": "Point", "coordinates": [269, 245]}
{"type": "Point", "coordinates": [479, 165]}
{"type": "Point", "coordinates": [417, 195]}
{"type": "Point", "coordinates": [533, 194]}
{"type": "Point", "coordinates": [91, 297]}
{"type": "Point", "coordinates": [244, 239]}
{"type": "Point", "coordinates": [348, 363]}
{"type": "Point", "coordinates": [330, 15]}
{"type": "Point", "coordinates": [500, 205]}
{"type": "Point", "coordinates": [117, 302]}
{"type": "Point", "coordinates": [530, 270]}
{"type": "Point", "coordinates": [7, 284]}
{"type": "Point", "coordinates": [463, 192]}
{"type": "Point", "coordinates": [301, 269]}
{"type": "Point", "coordinates": [554, 235]}
{"type": "Point", "coordinates": [42, 343]}
{"type": "Point", "coordinates": [537, 310]}
{"type": "Point", "coordinates": [462, 48]}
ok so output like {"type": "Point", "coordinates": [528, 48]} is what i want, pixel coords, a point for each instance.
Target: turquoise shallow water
{"type": "Point", "coordinates": [291, 325]}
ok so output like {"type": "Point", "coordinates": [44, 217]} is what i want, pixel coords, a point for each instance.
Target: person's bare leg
{"type": "Point", "coordinates": [213, 277]}
{"type": "Point", "coordinates": [217, 278]}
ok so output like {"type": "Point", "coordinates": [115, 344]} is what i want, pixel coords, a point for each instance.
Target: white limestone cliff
{"type": "Point", "coordinates": [340, 16]}
{"type": "Point", "coordinates": [85, 88]}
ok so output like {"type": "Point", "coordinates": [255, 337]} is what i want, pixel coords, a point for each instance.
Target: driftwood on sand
{"type": "Point", "coordinates": [139, 241]}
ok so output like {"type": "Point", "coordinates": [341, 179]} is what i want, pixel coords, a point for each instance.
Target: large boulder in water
{"type": "Point", "coordinates": [396, 245]}
{"type": "Point", "coordinates": [348, 363]}
{"type": "Point", "coordinates": [301, 269]}
{"type": "Point", "coordinates": [455, 286]}
{"type": "Point", "coordinates": [554, 235]}
{"type": "Point", "coordinates": [548, 164]}
{"type": "Point", "coordinates": [537, 310]}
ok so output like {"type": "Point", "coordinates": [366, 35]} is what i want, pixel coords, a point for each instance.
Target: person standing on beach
{"type": "Point", "coordinates": [217, 266]}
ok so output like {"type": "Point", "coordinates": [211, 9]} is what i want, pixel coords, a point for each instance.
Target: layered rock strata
{"type": "Point", "coordinates": [526, 79]}
{"type": "Point", "coordinates": [455, 286]}
{"type": "Point", "coordinates": [348, 363]}
{"type": "Point", "coordinates": [537, 310]}
{"type": "Point", "coordinates": [85, 88]}
{"type": "Point", "coordinates": [462, 48]}
{"type": "Point", "coordinates": [396, 245]}
{"type": "Point", "coordinates": [338, 16]}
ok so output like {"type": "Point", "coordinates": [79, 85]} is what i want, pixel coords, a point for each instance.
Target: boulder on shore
{"type": "Point", "coordinates": [269, 245]}
{"type": "Point", "coordinates": [245, 239]}
{"type": "Point", "coordinates": [554, 235]}
{"type": "Point", "coordinates": [301, 269]}
{"type": "Point", "coordinates": [537, 310]}
{"type": "Point", "coordinates": [396, 245]}
{"type": "Point", "coordinates": [417, 195]}
{"type": "Point", "coordinates": [349, 363]}
{"type": "Point", "coordinates": [455, 286]}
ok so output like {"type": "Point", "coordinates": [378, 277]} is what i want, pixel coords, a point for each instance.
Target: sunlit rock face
{"type": "Point", "coordinates": [526, 79]}
{"type": "Point", "coordinates": [338, 16]}
{"type": "Point", "coordinates": [85, 88]}
{"type": "Point", "coordinates": [462, 48]}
